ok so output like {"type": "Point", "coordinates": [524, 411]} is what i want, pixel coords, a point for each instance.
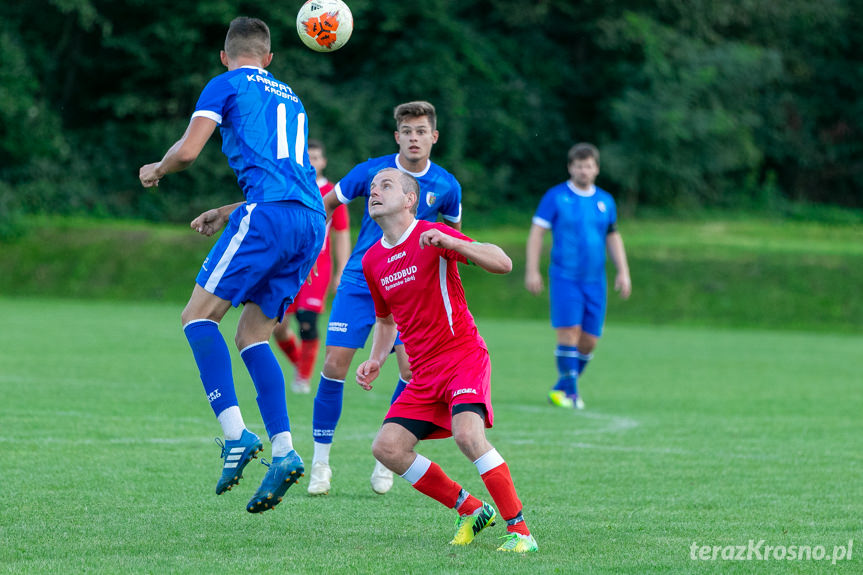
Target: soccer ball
{"type": "Point", "coordinates": [325, 25]}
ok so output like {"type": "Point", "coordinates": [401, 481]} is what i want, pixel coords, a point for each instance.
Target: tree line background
{"type": "Point", "coordinates": [695, 104]}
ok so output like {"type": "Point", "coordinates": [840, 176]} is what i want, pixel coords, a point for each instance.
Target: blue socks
{"type": "Point", "coordinates": [570, 364]}
{"type": "Point", "coordinates": [400, 387]}
{"type": "Point", "coordinates": [567, 369]}
{"type": "Point", "coordinates": [328, 409]}
{"type": "Point", "coordinates": [270, 383]}
{"type": "Point", "coordinates": [214, 363]}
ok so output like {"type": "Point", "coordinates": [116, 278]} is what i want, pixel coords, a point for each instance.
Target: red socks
{"type": "Point", "coordinates": [469, 505]}
{"type": "Point", "coordinates": [308, 353]}
{"type": "Point", "coordinates": [437, 485]}
{"type": "Point", "coordinates": [498, 481]}
{"type": "Point", "coordinates": [289, 346]}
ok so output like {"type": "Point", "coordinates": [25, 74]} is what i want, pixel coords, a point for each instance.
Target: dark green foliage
{"type": "Point", "coordinates": [694, 104]}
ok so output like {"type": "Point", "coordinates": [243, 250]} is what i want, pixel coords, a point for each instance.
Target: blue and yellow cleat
{"type": "Point", "coordinates": [468, 526]}
{"type": "Point", "coordinates": [560, 399]}
{"type": "Point", "coordinates": [282, 473]}
{"type": "Point", "coordinates": [237, 454]}
{"type": "Point", "coordinates": [518, 543]}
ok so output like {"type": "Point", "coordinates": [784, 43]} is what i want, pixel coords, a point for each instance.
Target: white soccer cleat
{"type": "Point", "coordinates": [319, 478]}
{"type": "Point", "coordinates": [301, 386]}
{"type": "Point", "coordinates": [577, 402]}
{"type": "Point", "coordinates": [382, 478]}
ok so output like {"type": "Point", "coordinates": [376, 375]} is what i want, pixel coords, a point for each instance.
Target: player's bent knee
{"type": "Point", "coordinates": [384, 449]}
{"type": "Point", "coordinates": [308, 324]}
{"type": "Point", "coordinates": [337, 361]}
{"type": "Point", "coordinates": [469, 442]}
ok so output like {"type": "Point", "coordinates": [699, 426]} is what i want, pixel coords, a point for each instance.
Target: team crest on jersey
{"type": "Point", "coordinates": [431, 198]}
{"type": "Point", "coordinates": [601, 206]}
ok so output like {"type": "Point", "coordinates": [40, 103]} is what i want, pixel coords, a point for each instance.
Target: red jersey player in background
{"type": "Point", "coordinates": [413, 277]}
{"type": "Point", "coordinates": [309, 302]}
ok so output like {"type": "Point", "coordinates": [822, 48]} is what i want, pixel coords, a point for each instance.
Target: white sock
{"type": "Point", "coordinates": [322, 453]}
{"type": "Point", "coordinates": [488, 461]}
{"type": "Point", "coordinates": [232, 422]}
{"type": "Point", "coordinates": [283, 443]}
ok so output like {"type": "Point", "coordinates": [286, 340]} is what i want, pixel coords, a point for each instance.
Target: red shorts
{"type": "Point", "coordinates": [461, 376]}
{"type": "Point", "coordinates": [312, 295]}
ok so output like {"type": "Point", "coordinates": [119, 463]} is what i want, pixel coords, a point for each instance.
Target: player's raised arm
{"type": "Point", "coordinates": [489, 257]}
{"type": "Point", "coordinates": [382, 342]}
{"type": "Point", "coordinates": [181, 155]}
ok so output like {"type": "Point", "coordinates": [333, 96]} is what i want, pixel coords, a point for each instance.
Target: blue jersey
{"type": "Point", "coordinates": [440, 193]}
{"type": "Point", "coordinates": [264, 134]}
{"type": "Point", "coordinates": [579, 222]}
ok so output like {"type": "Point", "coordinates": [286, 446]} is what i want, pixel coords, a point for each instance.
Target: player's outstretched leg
{"type": "Point", "coordinates": [236, 455]}
{"type": "Point", "coordinates": [282, 473]}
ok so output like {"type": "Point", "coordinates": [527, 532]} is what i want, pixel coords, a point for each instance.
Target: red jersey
{"type": "Point", "coordinates": [422, 290]}
{"type": "Point", "coordinates": [312, 294]}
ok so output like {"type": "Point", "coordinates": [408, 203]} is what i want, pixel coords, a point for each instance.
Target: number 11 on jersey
{"type": "Point", "coordinates": [282, 133]}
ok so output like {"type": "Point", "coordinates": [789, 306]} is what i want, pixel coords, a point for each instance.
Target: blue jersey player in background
{"type": "Point", "coordinates": [583, 222]}
{"type": "Point", "coordinates": [265, 253]}
{"type": "Point", "coordinates": [353, 312]}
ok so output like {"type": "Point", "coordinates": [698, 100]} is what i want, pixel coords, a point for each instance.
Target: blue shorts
{"type": "Point", "coordinates": [264, 255]}
{"type": "Point", "coordinates": [576, 303]}
{"type": "Point", "coordinates": [352, 317]}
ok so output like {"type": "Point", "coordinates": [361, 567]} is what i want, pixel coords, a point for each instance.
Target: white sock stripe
{"type": "Point", "coordinates": [185, 325]}
{"type": "Point", "coordinates": [488, 461]}
{"type": "Point", "coordinates": [331, 379]}
{"type": "Point", "coordinates": [576, 354]}
{"type": "Point", "coordinates": [242, 351]}
{"type": "Point", "coordinates": [417, 469]}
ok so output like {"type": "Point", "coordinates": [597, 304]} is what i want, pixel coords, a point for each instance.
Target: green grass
{"type": "Point", "coordinates": [699, 435]}
{"type": "Point", "coordinates": [735, 273]}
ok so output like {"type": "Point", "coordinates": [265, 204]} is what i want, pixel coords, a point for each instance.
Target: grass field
{"type": "Point", "coordinates": [725, 272]}
{"type": "Point", "coordinates": [691, 435]}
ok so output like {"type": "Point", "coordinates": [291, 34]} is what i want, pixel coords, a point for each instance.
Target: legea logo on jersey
{"type": "Point", "coordinates": [464, 390]}
{"type": "Point", "coordinates": [431, 198]}
{"type": "Point", "coordinates": [601, 206]}
{"type": "Point", "coordinates": [397, 256]}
